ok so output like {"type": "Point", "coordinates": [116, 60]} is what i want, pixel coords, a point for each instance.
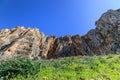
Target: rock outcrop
{"type": "Point", "coordinates": [31, 43]}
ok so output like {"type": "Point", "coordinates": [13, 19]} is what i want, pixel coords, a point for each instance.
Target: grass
{"type": "Point", "coordinates": [70, 68]}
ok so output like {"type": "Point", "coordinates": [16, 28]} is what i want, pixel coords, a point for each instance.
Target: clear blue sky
{"type": "Point", "coordinates": [54, 17]}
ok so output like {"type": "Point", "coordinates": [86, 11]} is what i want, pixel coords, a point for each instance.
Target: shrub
{"type": "Point", "coordinates": [12, 68]}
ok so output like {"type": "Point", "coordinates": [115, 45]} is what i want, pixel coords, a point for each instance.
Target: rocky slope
{"type": "Point", "coordinates": [31, 43]}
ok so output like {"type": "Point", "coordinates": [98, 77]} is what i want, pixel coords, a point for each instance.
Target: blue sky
{"type": "Point", "coordinates": [54, 17]}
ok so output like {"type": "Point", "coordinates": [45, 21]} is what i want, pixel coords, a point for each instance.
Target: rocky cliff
{"type": "Point", "coordinates": [31, 43]}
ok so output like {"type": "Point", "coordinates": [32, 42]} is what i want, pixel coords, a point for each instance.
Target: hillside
{"type": "Point", "coordinates": [71, 68]}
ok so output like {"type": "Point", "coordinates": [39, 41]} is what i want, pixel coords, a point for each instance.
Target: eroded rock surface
{"type": "Point", "coordinates": [31, 43]}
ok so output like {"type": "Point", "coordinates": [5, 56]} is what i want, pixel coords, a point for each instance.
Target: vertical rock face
{"type": "Point", "coordinates": [27, 42]}
{"type": "Point", "coordinates": [19, 42]}
{"type": "Point", "coordinates": [109, 29]}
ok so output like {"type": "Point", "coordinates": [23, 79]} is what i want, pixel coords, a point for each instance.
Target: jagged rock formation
{"type": "Point", "coordinates": [27, 42]}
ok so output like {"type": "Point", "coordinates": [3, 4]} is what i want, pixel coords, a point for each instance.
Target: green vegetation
{"type": "Point", "coordinates": [22, 67]}
{"type": "Point", "coordinates": [70, 68]}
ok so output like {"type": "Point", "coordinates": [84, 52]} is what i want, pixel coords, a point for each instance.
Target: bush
{"type": "Point", "coordinates": [12, 68]}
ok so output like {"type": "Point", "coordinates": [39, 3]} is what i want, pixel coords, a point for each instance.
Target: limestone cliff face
{"type": "Point", "coordinates": [28, 42]}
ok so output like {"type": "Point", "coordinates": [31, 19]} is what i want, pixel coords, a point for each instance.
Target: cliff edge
{"type": "Point", "coordinates": [28, 42]}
